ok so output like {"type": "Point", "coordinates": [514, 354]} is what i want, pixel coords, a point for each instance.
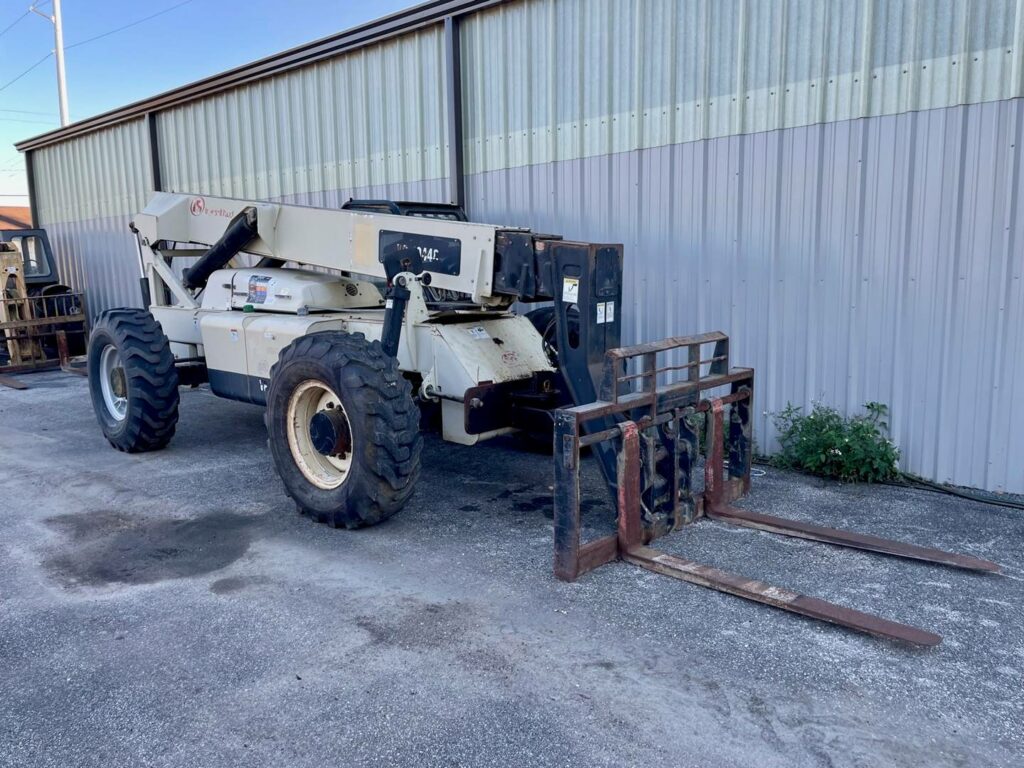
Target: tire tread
{"type": "Point", "coordinates": [151, 376]}
{"type": "Point", "coordinates": [395, 443]}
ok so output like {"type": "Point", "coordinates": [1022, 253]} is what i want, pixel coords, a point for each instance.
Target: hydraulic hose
{"type": "Point", "coordinates": [239, 233]}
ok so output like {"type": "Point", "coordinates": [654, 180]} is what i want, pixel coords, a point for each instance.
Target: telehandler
{"type": "Point", "coordinates": [346, 321]}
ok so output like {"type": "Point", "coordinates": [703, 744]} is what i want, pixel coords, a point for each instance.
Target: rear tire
{"type": "Point", "coordinates": [132, 380]}
{"type": "Point", "coordinates": [362, 402]}
{"type": "Point", "coordinates": [545, 321]}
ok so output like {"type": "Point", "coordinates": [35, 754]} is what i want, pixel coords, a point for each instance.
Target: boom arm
{"type": "Point", "coordinates": [459, 256]}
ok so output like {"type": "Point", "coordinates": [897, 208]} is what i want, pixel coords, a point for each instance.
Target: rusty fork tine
{"type": "Point", "coordinates": [779, 597]}
{"type": "Point", "coordinates": [852, 539]}
{"type": "Point", "coordinates": [642, 516]}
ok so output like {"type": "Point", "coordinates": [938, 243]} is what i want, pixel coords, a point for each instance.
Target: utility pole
{"type": "Point", "coordinates": [58, 52]}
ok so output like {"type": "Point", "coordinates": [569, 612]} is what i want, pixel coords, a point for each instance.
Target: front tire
{"type": "Point", "coordinates": [343, 429]}
{"type": "Point", "coordinates": [132, 380]}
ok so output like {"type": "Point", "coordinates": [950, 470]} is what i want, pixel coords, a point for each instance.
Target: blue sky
{"type": "Point", "coordinates": [199, 38]}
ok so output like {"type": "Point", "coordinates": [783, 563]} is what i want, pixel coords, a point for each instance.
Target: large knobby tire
{"type": "Point", "coordinates": [343, 429]}
{"type": "Point", "coordinates": [132, 380]}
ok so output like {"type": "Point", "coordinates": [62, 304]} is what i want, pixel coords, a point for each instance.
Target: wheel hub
{"type": "Point", "coordinates": [319, 434]}
{"type": "Point", "coordinates": [113, 383]}
{"type": "Point", "coordinates": [117, 382]}
{"type": "Point", "coordinates": [329, 433]}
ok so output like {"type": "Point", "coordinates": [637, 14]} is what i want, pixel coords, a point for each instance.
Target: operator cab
{"type": "Point", "coordinates": [40, 270]}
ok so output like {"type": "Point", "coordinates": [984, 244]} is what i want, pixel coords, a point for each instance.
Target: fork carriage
{"type": "Point", "coordinates": [649, 430]}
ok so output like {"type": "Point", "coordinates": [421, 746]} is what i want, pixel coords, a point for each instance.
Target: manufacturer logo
{"type": "Point", "coordinates": [198, 208]}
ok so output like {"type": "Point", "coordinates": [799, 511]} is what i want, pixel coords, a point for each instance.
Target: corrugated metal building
{"type": "Point", "coordinates": [837, 184]}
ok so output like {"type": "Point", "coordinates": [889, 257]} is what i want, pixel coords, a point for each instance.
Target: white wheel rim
{"type": "Point", "coordinates": [308, 399]}
{"type": "Point", "coordinates": [113, 383]}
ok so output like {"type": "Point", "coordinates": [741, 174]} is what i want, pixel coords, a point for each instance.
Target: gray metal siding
{"type": "Point", "coordinates": [551, 80]}
{"type": "Point", "coordinates": [430, 190]}
{"type": "Point", "coordinates": [103, 174]}
{"type": "Point", "coordinates": [88, 188]}
{"type": "Point", "coordinates": [877, 259]}
{"type": "Point", "coordinates": [100, 257]}
{"type": "Point", "coordinates": [372, 118]}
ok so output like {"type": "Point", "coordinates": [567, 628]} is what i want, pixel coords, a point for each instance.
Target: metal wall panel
{"type": "Point", "coordinates": [100, 257]}
{"type": "Point", "coordinates": [367, 119]}
{"type": "Point", "coordinates": [430, 189]}
{"type": "Point", "coordinates": [878, 259]}
{"type": "Point", "coordinates": [103, 174]}
{"type": "Point", "coordinates": [551, 80]}
{"type": "Point", "coordinates": [87, 190]}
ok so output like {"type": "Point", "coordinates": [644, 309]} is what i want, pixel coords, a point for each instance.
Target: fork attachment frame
{"type": "Point", "coordinates": [656, 433]}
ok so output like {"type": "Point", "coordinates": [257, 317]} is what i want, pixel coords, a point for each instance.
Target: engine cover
{"type": "Point", "coordinates": [288, 291]}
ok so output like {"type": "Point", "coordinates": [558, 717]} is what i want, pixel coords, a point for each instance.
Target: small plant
{"type": "Point", "coordinates": [826, 443]}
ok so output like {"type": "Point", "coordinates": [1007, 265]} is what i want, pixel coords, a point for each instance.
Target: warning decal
{"type": "Point", "coordinates": [260, 290]}
{"type": "Point", "coordinates": [605, 312]}
{"type": "Point", "coordinates": [571, 289]}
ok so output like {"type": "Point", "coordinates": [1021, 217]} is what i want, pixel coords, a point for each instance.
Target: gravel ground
{"type": "Point", "coordinates": [172, 609]}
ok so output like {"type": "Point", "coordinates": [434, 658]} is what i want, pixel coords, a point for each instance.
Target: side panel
{"type": "Point", "coordinates": [179, 324]}
{"type": "Point", "coordinates": [496, 350]}
{"type": "Point", "coordinates": [241, 347]}
{"type": "Point", "coordinates": [226, 358]}
{"type": "Point", "coordinates": [267, 335]}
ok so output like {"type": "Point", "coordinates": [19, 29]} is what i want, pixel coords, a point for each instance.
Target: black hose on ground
{"type": "Point", "coordinates": [913, 481]}
{"type": "Point", "coordinates": [907, 480]}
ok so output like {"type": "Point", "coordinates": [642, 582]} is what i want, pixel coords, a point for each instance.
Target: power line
{"type": "Point", "coordinates": [10, 26]}
{"type": "Point", "coordinates": [9, 83]}
{"type": "Point", "coordinates": [22, 120]}
{"type": "Point", "coordinates": [29, 112]}
{"type": "Point", "coordinates": [127, 26]}
{"type": "Point", "coordinates": [89, 39]}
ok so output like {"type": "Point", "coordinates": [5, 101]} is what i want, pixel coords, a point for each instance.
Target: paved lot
{"type": "Point", "coordinates": [172, 609]}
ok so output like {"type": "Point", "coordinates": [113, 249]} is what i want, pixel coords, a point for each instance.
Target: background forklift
{"type": "Point", "coordinates": [42, 321]}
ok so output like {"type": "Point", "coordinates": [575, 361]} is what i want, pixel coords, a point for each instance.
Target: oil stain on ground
{"type": "Point", "coordinates": [546, 505]}
{"type": "Point", "coordinates": [231, 584]}
{"type": "Point", "coordinates": [410, 624]}
{"type": "Point", "coordinates": [112, 548]}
